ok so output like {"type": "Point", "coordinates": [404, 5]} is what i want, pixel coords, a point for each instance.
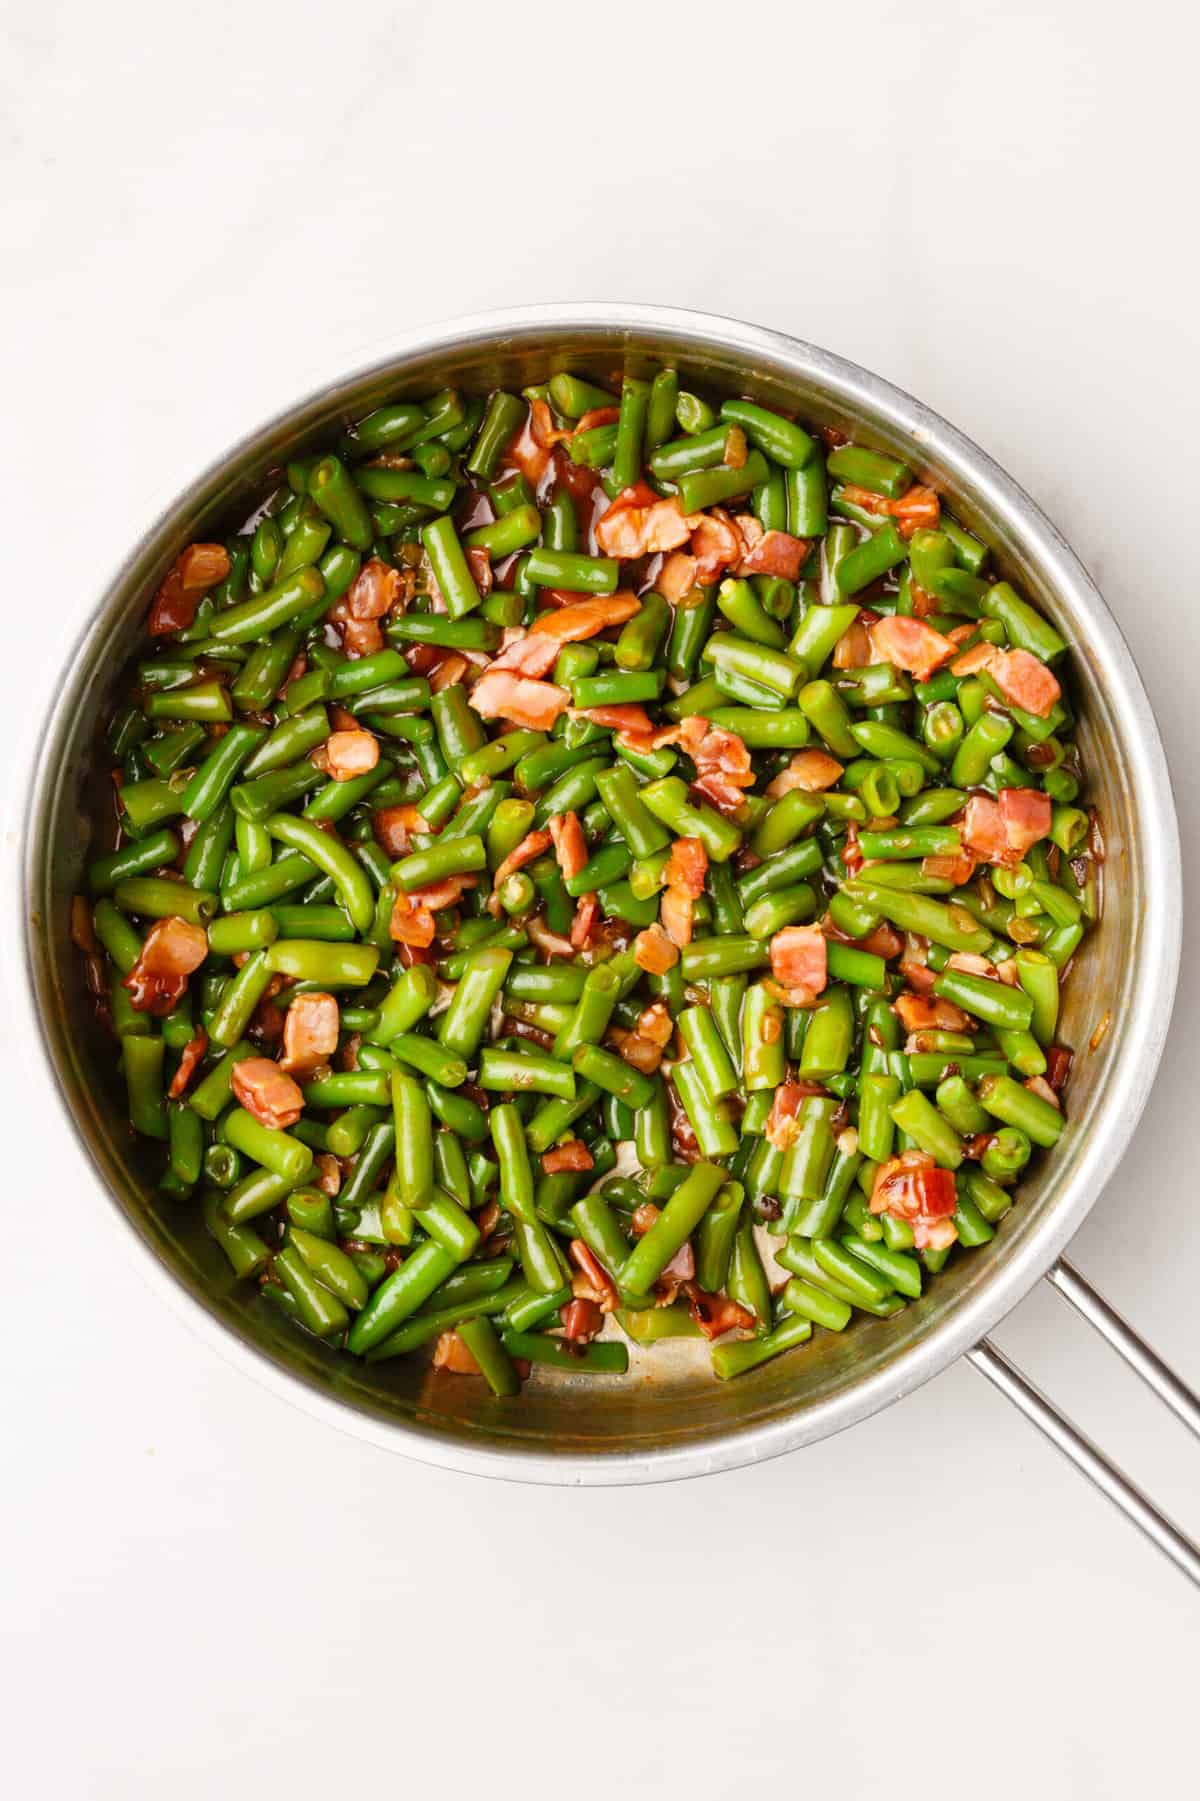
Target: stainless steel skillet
{"type": "Point", "coordinates": [668, 1419]}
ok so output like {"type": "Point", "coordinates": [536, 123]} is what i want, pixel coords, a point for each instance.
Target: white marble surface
{"type": "Point", "coordinates": [205, 210]}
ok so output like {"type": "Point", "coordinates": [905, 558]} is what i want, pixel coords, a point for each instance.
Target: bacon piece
{"type": "Point", "coordinates": [639, 524]}
{"type": "Point", "coordinates": [983, 833]}
{"type": "Point", "coordinates": [267, 1092]}
{"type": "Point", "coordinates": [346, 755]}
{"type": "Point", "coordinates": [768, 553]}
{"type": "Point", "coordinates": [1023, 679]}
{"type": "Point", "coordinates": [452, 1355]}
{"type": "Point", "coordinates": [678, 577]}
{"type": "Point", "coordinates": [444, 893]}
{"type": "Point", "coordinates": [958, 868]}
{"type": "Point", "coordinates": [192, 1053]}
{"type": "Point", "coordinates": [528, 447]}
{"type": "Point", "coordinates": [687, 866]}
{"type": "Point", "coordinates": [921, 1013]}
{"type": "Point", "coordinates": [329, 1173]}
{"type": "Point", "coordinates": [1058, 1066]}
{"type": "Point", "coordinates": [570, 845]}
{"type": "Point", "coordinates": [919, 977]}
{"type": "Point", "coordinates": [853, 648]}
{"type": "Point", "coordinates": [480, 564]}
{"type": "Point", "coordinates": [450, 670]}
{"type": "Point", "coordinates": [716, 544]}
{"type": "Point", "coordinates": [603, 1288]}
{"type": "Point", "coordinates": [581, 1320]}
{"type": "Point", "coordinates": [392, 825]}
{"type": "Point", "coordinates": [723, 766]}
{"type": "Point", "coordinates": [910, 644]}
{"type": "Point", "coordinates": [716, 1314]}
{"type": "Point", "coordinates": [1038, 1085]}
{"type": "Point", "coordinates": [310, 1032]}
{"type": "Point", "coordinates": [918, 509]}
{"type": "Point", "coordinates": [532, 845]}
{"type": "Point", "coordinates": [626, 718]}
{"type": "Point", "coordinates": [642, 1218]}
{"type": "Point", "coordinates": [812, 770]}
{"type": "Point", "coordinates": [194, 571]}
{"type": "Point", "coordinates": [537, 651]}
{"type": "Point", "coordinates": [574, 1155]}
{"type": "Point", "coordinates": [1026, 816]}
{"type": "Point", "coordinates": [654, 952]}
{"type": "Point", "coordinates": [158, 980]}
{"type": "Point", "coordinates": [587, 912]}
{"type": "Point", "coordinates": [551, 944]}
{"type": "Point", "coordinates": [913, 1188]}
{"type": "Point", "coordinates": [374, 591]}
{"type": "Point", "coordinates": [535, 705]}
{"type": "Point", "coordinates": [798, 962]}
{"type": "Point", "coordinates": [411, 924]}
{"type": "Point", "coordinates": [782, 1124]}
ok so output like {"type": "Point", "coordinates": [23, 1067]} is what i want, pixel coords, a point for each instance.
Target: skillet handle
{"type": "Point", "coordinates": [1066, 1437]}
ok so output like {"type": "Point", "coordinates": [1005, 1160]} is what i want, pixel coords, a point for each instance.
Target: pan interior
{"type": "Point", "coordinates": [669, 1402]}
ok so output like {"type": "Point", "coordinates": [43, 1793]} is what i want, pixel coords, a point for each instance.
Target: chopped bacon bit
{"type": "Point", "coordinates": [798, 962]}
{"type": "Point", "coordinates": [158, 980]}
{"type": "Point", "coordinates": [736, 450]}
{"type": "Point", "coordinates": [639, 524]}
{"type": "Point", "coordinates": [532, 845]}
{"type": "Point", "coordinates": [687, 866]}
{"type": "Point", "coordinates": [194, 571]}
{"type": "Point", "coordinates": [1058, 1066]}
{"type": "Point", "coordinates": [530, 446]}
{"type": "Point", "coordinates": [853, 648]}
{"type": "Point", "coordinates": [581, 1320]}
{"type": "Point", "coordinates": [812, 770]}
{"type": "Point", "coordinates": [769, 553]}
{"type": "Point", "coordinates": [655, 1024]}
{"type": "Point", "coordinates": [445, 893]}
{"type": "Point", "coordinates": [596, 415]}
{"type": "Point", "coordinates": [360, 637]}
{"type": "Point", "coordinates": [716, 544]}
{"type": "Point", "coordinates": [551, 944]}
{"type": "Point", "coordinates": [920, 1013]}
{"type": "Point", "coordinates": [347, 755]}
{"type": "Point", "coordinates": [267, 1092]}
{"type": "Point", "coordinates": [918, 977]}
{"type": "Point", "coordinates": [913, 1188]}
{"type": "Point", "coordinates": [917, 510]}
{"type": "Point", "coordinates": [342, 721]}
{"type": "Point", "coordinates": [643, 1218]}
{"type": "Point", "coordinates": [410, 923]}
{"type": "Point", "coordinates": [678, 577]}
{"type": "Point", "coordinates": [910, 644]}
{"type": "Point", "coordinates": [723, 763]}
{"type": "Point", "coordinates": [536, 652]}
{"type": "Point", "coordinates": [782, 1124]}
{"type": "Point", "coordinates": [451, 1354]}
{"type": "Point", "coordinates": [654, 952]}
{"type": "Point", "coordinates": [1023, 679]}
{"type": "Point", "coordinates": [449, 671]}
{"type": "Point", "coordinates": [392, 825]}
{"type": "Point", "coordinates": [374, 591]}
{"type": "Point", "coordinates": [1026, 816]}
{"type": "Point", "coordinates": [983, 833]}
{"type": "Point", "coordinates": [329, 1173]}
{"type": "Point", "coordinates": [574, 1155]}
{"type": "Point", "coordinates": [480, 565]}
{"type": "Point", "coordinates": [587, 913]}
{"type": "Point", "coordinates": [716, 1314]}
{"type": "Point", "coordinates": [570, 845]}
{"type": "Point", "coordinates": [675, 911]}
{"type": "Point", "coordinates": [535, 705]}
{"type": "Point", "coordinates": [193, 1051]}
{"type": "Point", "coordinates": [957, 868]}
{"type": "Point", "coordinates": [310, 1032]}
{"type": "Point", "coordinates": [627, 719]}
{"type": "Point", "coordinates": [603, 1288]}
{"type": "Point", "coordinates": [1038, 1085]}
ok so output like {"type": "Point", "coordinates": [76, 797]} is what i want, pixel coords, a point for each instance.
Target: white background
{"type": "Point", "coordinates": [204, 210]}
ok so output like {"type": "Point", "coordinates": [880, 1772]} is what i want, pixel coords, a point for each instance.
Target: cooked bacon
{"type": "Point", "coordinates": [982, 831]}
{"type": "Point", "coordinates": [687, 866]}
{"type": "Point", "coordinates": [267, 1092]}
{"type": "Point", "coordinates": [626, 718]}
{"type": "Point", "coordinates": [532, 845]}
{"type": "Point", "coordinates": [716, 544]}
{"type": "Point", "coordinates": [346, 755]}
{"type": "Point", "coordinates": [445, 893]}
{"type": "Point", "coordinates": [191, 1055]}
{"type": "Point", "coordinates": [551, 944]}
{"type": "Point", "coordinates": [910, 644]}
{"type": "Point", "coordinates": [451, 1354]}
{"type": "Point", "coordinates": [639, 524]}
{"type": "Point", "coordinates": [918, 509]}
{"type": "Point", "coordinates": [643, 1217]}
{"type": "Point", "coordinates": [535, 705]}
{"type": "Point", "coordinates": [329, 1173]}
{"type": "Point", "coordinates": [679, 577]}
{"type": "Point", "coordinates": [392, 825]}
{"type": "Point", "coordinates": [480, 564]}
{"type": "Point", "coordinates": [1026, 816]}
{"type": "Point", "coordinates": [1023, 680]}
{"type": "Point", "coordinates": [913, 1188]}
{"type": "Point", "coordinates": [675, 911]}
{"type": "Point", "coordinates": [411, 924]}
{"type": "Point", "coordinates": [587, 913]}
{"type": "Point", "coordinates": [581, 1320]}
{"type": "Point", "coordinates": [450, 670]}
{"type": "Point", "coordinates": [374, 591]}
{"type": "Point", "coordinates": [654, 952]}
{"type": "Point", "coordinates": [655, 1024]}
{"type": "Point", "coordinates": [528, 447]}
{"type": "Point", "coordinates": [194, 571]}
{"type": "Point", "coordinates": [158, 980]}
{"type": "Point", "coordinates": [957, 868]}
{"type": "Point", "coordinates": [970, 963]}
{"type": "Point", "coordinates": [723, 765]}
{"type": "Point", "coordinates": [360, 637]}
{"type": "Point", "coordinates": [1038, 1085]}
{"type": "Point", "coordinates": [570, 845]}
{"type": "Point", "coordinates": [768, 553]}
{"type": "Point", "coordinates": [919, 977]}
{"type": "Point", "coordinates": [782, 1123]}
{"type": "Point", "coordinates": [603, 1288]}
{"type": "Point", "coordinates": [921, 1013]}
{"type": "Point", "coordinates": [812, 770]}
{"type": "Point", "coordinates": [537, 651]}
{"type": "Point", "coordinates": [853, 648]}
{"type": "Point", "coordinates": [716, 1314]}
{"type": "Point", "coordinates": [798, 962]}
{"type": "Point", "coordinates": [310, 1032]}
{"type": "Point", "coordinates": [1058, 1066]}
{"type": "Point", "coordinates": [574, 1155]}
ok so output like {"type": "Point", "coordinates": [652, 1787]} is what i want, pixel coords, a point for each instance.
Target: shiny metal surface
{"type": "Point", "coordinates": [668, 1419]}
{"type": "Point", "coordinates": [1116, 1331]}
